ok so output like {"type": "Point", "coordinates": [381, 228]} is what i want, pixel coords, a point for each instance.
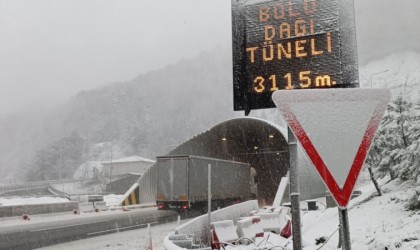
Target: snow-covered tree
{"type": "Point", "coordinates": [58, 160]}
{"type": "Point", "coordinates": [409, 165]}
{"type": "Point", "coordinates": [392, 138]}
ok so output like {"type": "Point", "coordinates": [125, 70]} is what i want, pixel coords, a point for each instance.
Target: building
{"type": "Point", "coordinates": [133, 164]}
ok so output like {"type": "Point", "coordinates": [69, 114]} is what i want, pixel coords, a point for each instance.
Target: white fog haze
{"type": "Point", "coordinates": [50, 50]}
{"type": "Point", "coordinates": [53, 49]}
{"type": "Point", "coordinates": [144, 75]}
{"type": "Point", "coordinates": [117, 119]}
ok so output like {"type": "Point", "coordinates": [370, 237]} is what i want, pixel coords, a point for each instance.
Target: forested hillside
{"type": "Point", "coordinates": [147, 116]}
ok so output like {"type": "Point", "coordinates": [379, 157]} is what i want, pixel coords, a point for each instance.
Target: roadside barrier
{"type": "Point", "coordinates": [100, 205]}
{"type": "Point", "coordinates": [86, 207]}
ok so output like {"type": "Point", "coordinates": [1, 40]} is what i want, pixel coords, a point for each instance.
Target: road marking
{"type": "Point", "coordinates": [122, 228]}
{"type": "Point", "coordinates": [110, 230]}
{"type": "Point", "coordinates": [50, 228]}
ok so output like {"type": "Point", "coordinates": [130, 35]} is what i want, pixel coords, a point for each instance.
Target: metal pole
{"type": "Point", "coordinates": [110, 169]}
{"type": "Point", "coordinates": [61, 171]}
{"type": "Point", "coordinates": [340, 230]}
{"type": "Point", "coordinates": [345, 229]}
{"type": "Point", "coordinates": [294, 192]}
{"type": "Point", "coordinates": [209, 204]}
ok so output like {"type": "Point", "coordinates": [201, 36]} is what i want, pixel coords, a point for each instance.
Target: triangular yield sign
{"type": "Point", "coordinates": [336, 128]}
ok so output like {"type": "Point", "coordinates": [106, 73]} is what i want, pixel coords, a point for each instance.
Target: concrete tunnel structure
{"type": "Point", "coordinates": [257, 142]}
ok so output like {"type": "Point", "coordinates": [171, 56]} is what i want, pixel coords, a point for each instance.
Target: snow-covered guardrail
{"type": "Point", "coordinates": [32, 185]}
{"type": "Point", "coordinates": [18, 210]}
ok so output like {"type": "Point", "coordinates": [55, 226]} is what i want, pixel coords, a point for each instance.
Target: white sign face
{"type": "Point", "coordinates": [336, 132]}
{"type": "Point", "coordinates": [336, 128]}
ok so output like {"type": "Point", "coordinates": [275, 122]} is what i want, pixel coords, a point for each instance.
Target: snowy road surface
{"type": "Point", "coordinates": [44, 231]}
{"type": "Point", "coordinates": [375, 223]}
{"type": "Point", "coordinates": [134, 239]}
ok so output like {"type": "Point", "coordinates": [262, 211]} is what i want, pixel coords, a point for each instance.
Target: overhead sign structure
{"type": "Point", "coordinates": [291, 44]}
{"type": "Point", "coordinates": [336, 128]}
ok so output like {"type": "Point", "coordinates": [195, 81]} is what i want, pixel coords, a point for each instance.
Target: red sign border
{"type": "Point", "coordinates": [341, 196]}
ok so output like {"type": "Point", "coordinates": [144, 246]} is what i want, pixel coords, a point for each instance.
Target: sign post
{"type": "Point", "coordinates": [294, 192]}
{"type": "Point", "coordinates": [335, 128]}
{"type": "Point", "coordinates": [344, 228]}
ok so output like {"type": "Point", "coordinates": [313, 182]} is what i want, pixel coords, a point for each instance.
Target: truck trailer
{"type": "Point", "coordinates": [183, 182]}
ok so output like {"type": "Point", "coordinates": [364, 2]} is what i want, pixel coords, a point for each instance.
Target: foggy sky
{"type": "Point", "coordinates": [51, 49]}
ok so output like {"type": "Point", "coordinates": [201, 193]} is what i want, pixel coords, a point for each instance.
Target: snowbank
{"type": "Point", "coordinates": [14, 201]}
{"type": "Point", "coordinates": [95, 186]}
{"type": "Point", "coordinates": [113, 199]}
{"type": "Point", "coordinates": [376, 222]}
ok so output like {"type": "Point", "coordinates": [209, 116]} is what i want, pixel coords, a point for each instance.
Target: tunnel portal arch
{"type": "Point", "coordinates": [255, 141]}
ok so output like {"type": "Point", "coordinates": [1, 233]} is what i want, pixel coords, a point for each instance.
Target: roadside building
{"type": "Point", "coordinates": [124, 166]}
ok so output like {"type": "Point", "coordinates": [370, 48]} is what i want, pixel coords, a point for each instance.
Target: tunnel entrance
{"type": "Point", "coordinates": [254, 141]}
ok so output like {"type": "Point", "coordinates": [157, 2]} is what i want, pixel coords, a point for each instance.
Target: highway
{"type": "Point", "coordinates": [45, 231]}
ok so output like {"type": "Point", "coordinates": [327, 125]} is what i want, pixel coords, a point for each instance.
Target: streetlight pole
{"type": "Point", "coordinates": [110, 169]}
{"type": "Point", "coordinates": [61, 170]}
{"type": "Point", "coordinates": [377, 73]}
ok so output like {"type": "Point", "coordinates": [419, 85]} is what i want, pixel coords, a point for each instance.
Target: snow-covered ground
{"type": "Point", "coordinates": [375, 223]}
{"type": "Point", "coordinates": [11, 201]}
{"type": "Point", "coordinates": [83, 187]}
{"type": "Point", "coordinates": [111, 200]}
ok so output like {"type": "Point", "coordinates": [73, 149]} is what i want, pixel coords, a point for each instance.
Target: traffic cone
{"type": "Point", "coordinates": [150, 243]}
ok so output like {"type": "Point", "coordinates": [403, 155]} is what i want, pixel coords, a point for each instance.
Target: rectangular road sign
{"type": "Point", "coordinates": [291, 44]}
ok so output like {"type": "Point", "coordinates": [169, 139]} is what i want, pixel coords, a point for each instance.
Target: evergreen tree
{"type": "Point", "coordinates": [392, 138]}
{"type": "Point", "coordinates": [59, 159]}
{"type": "Point", "coordinates": [409, 166]}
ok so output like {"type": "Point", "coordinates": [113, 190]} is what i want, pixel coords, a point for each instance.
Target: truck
{"type": "Point", "coordinates": [183, 182]}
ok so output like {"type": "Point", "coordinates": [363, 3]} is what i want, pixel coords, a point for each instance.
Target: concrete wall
{"type": "Point", "coordinates": [8, 211]}
{"type": "Point", "coordinates": [122, 185]}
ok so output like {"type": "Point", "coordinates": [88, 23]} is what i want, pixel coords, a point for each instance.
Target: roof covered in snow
{"type": "Point", "coordinates": [131, 159]}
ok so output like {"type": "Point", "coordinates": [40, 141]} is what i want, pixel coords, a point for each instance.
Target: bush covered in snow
{"type": "Point", "coordinates": [414, 202]}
